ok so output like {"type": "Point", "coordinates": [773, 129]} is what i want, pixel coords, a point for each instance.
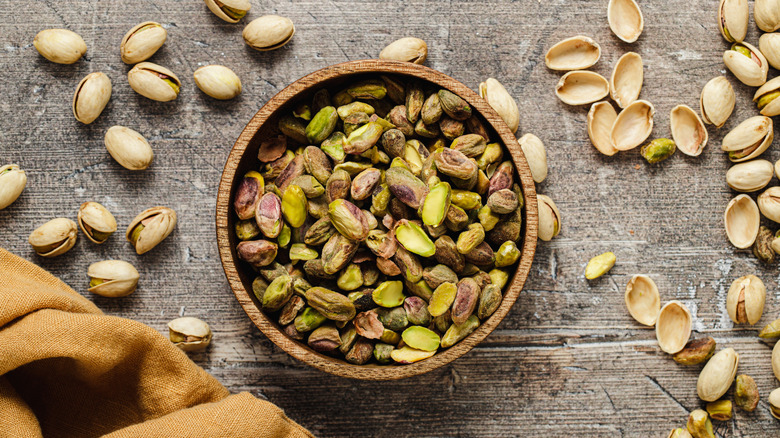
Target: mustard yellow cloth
{"type": "Point", "coordinates": [68, 370]}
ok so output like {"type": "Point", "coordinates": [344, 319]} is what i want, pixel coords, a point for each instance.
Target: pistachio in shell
{"type": "Point", "coordinates": [268, 32]}
{"type": "Point", "coordinates": [128, 147]}
{"type": "Point", "coordinates": [189, 334]}
{"type": "Point", "coordinates": [13, 180]}
{"type": "Point", "coordinates": [91, 97]}
{"type": "Point", "coordinates": [717, 376]}
{"type": "Point", "coordinates": [54, 238]}
{"type": "Point", "coordinates": [97, 223]}
{"type": "Point", "coordinates": [218, 81]}
{"type": "Point", "coordinates": [407, 49]}
{"type": "Point", "coordinates": [231, 11]}
{"type": "Point", "coordinates": [112, 278]}
{"type": "Point", "coordinates": [154, 82]}
{"type": "Point", "coordinates": [61, 46]}
{"type": "Point", "coordinates": [150, 227]}
{"type": "Point", "coordinates": [142, 41]}
{"type": "Point", "coordinates": [745, 300]}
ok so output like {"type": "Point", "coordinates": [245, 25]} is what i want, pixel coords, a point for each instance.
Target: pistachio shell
{"type": "Point", "coordinates": [776, 370]}
{"type": "Point", "coordinates": [189, 334]}
{"type": "Point", "coordinates": [749, 139]}
{"type": "Point", "coordinates": [12, 182]}
{"type": "Point", "coordinates": [774, 396]}
{"type": "Point", "coordinates": [745, 300]}
{"type": "Point", "coordinates": [142, 41]}
{"type": "Point", "coordinates": [626, 81]}
{"type": "Point", "coordinates": [116, 278]}
{"type": "Point", "coordinates": [218, 81]}
{"type": "Point", "coordinates": [750, 70]}
{"type": "Point", "coordinates": [496, 95]}
{"type": "Point", "coordinates": [769, 45]}
{"type": "Point", "coordinates": [769, 203]}
{"type": "Point", "coordinates": [54, 237]}
{"type": "Point", "coordinates": [688, 131]}
{"type": "Point", "coordinates": [601, 117]}
{"type": "Point", "coordinates": [408, 49]}
{"type": "Point", "coordinates": [154, 82]}
{"type": "Point", "coordinates": [96, 221]}
{"type": "Point", "coordinates": [91, 97]}
{"type": "Point", "coordinates": [625, 19]}
{"type": "Point", "coordinates": [633, 125]}
{"type": "Point", "coordinates": [733, 16]}
{"type": "Point", "coordinates": [767, 15]}
{"type": "Point", "coordinates": [642, 299]}
{"type": "Point", "coordinates": [673, 327]}
{"type": "Point", "coordinates": [535, 155]}
{"type": "Point", "coordinates": [742, 220]}
{"type": "Point", "coordinates": [129, 148]}
{"type": "Point", "coordinates": [575, 53]}
{"type": "Point", "coordinates": [581, 87]}
{"type": "Point", "coordinates": [231, 11]}
{"type": "Point", "coordinates": [268, 32]}
{"type": "Point", "coordinates": [717, 101]}
{"type": "Point", "coordinates": [767, 98]}
{"type": "Point", "coordinates": [549, 218]}
{"type": "Point", "coordinates": [750, 175]}
{"type": "Point", "coordinates": [157, 222]}
{"type": "Point", "coordinates": [60, 45]}
{"type": "Point", "coordinates": [717, 376]}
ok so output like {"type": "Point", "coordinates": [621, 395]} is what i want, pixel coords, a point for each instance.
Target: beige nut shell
{"type": "Point", "coordinates": [60, 45]}
{"type": "Point", "coordinates": [139, 45]}
{"type": "Point", "coordinates": [121, 278]}
{"type": "Point", "coordinates": [673, 327]}
{"type": "Point", "coordinates": [642, 299]}
{"type": "Point", "coordinates": [54, 238]}
{"type": "Point", "coordinates": [129, 148]}
{"type": "Point", "coordinates": [91, 97]}
{"type": "Point", "coordinates": [94, 216]}
{"type": "Point", "coordinates": [145, 79]}
{"type": "Point", "coordinates": [159, 222]}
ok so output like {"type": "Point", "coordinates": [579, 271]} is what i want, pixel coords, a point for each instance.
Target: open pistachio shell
{"type": "Point", "coordinates": [625, 19]}
{"type": "Point", "coordinates": [769, 203]}
{"type": "Point", "coordinates": [742, 220]}
{"type": "Point", "coordinates": [112, 278]}
{"type": "Point", "coordinates": [751, 68]}
{"type": "Point", "coordinates": [673, 327]}
{"type": "Point", "coordinates": [749, 139]}
{"type": "Point", "coordinates": [54, 237]}
{"type": "Point", "coordinates": [769, 45]}
{"type": "Point", "coordinates": [150, 227]}
{"type": "Point", "coordinates": [745, 300]}
{"type": "Point", "coordinates": [601, 117]}
{"type": "Point", "coordinates": [96, 221]}
{"type": "Point", "coordinates": [633, 125]}
{"type": "Point", "coordinates": [717, 101]}
{"type": "Point", "coordinates": [766, 98]}
{"type": "Point", "coordinates": [642, 299]}
{"type": "Point", "coordinates": [626, 81]}
{"type": "Point", "coordinates": [750, 176]}
{"type": "Point", "coordinates": [688, 130]}
{"type": "Point", "coordinates": [717, 376]}
{"type": "Point", "coordinates": [767, 14]}
{"type": "Point", "coordinates": [733, 18]}
{"type": "Point", "coordinates": [231, 11]}
{"type": "Point", "coordinates": [581, 87]}
{"type": "Point", "coordinates": [575, 53]}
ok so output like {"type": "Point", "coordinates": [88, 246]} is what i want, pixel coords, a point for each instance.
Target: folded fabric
{"type": "Point", "coordinates": [68, 370]}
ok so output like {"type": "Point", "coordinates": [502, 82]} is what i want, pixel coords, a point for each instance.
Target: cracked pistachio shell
{"type": "Point", "coordinates": [500, 100]}
{"type": "Point", "coordinates": [769, 45]}
{"type": "Point", "coordinates": [688, 131]}
{"type": "Point", "coordinates": [12, 183]}
{"type": "Point", "coordinates": [535, 155]}
{"type": "Point", "coordinates": [747, 63]}
{"type": "Point", "coordinates": [129, 148]}
{"type": "Point", "coordinates": [581, 87]}
{"type": "Point", "coordinates": [549, 218]}
{"type": "Point", "coordinates": [575, 53]}
{"type": "Point", "coordinates": [774, 400]}
{"type": "Point", "coordinates": [231, 11]}
{"type": "Point", "coordinates": [769, 203]}
{"type": "Point", "coordinates": [766, 98]}
{"type": "Point", "coordinates": [96, 221]}
{"type": "Point", "coordinates": [91, 97]}
{"type": "Point", "coordinates": [749, 139]}
{"type": "Point", "coordinates": [767, 15]}
{"type": "Point", "coordinates": [717, 376]}
{"type": "Point", "coordinates": [142, 41]}
{"type": "Point", "coordinates": [218, 81]}
{"type": "Point", "coordinates": [112, 278]}
{"type": "Point", "coordinates": [642, 299]}
{"type": "Point", "coordinates": [745, 300]}
{"type": "Point", "coordinates": [625, 19]}
{"type": "Point", "coordinates": [60, 45]}
{"type": "Point", "coordinates": [625, 84]}
{"type": "Point", "coordinates": [54, 237]}
{"type": "Point", "coordinates": [741, 221]}
{"type": "Point", "coordinates": [717, 101]}
{"type": "Point", "coordinates": [733, 19]}
{"type": "Point", "coordinates": [673, 327]}
{"type": "Point", "coordinates": [189, 334]}
{"type": "Point", "coordinates": [150, 227]}
{"type": "Point", "coordinates": [154, 82]}
{"type": "Point", "coordinates": [601, 117]}
{"type": "Point", "coordinates": [750, 176]}
{"type": "Point", "coordinates": [633, 125]}
{"type": "Point", "coordinates": [408, 49]}
{"type": "Point", "coordinates": [268, 32]}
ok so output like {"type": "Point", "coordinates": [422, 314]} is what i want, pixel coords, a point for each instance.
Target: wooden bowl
{"type": "Point", "coordinates": [243, 158]}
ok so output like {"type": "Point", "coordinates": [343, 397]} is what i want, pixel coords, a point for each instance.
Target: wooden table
{"type": "Point", "coordinates": [568, 360]}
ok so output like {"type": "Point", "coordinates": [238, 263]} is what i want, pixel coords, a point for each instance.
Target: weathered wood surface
{"type": "Point", "coordinates": [568, 360]}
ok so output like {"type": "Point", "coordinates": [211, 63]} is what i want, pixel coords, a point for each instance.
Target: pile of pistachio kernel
{"type": "Point", "coordinates": [383, 223]}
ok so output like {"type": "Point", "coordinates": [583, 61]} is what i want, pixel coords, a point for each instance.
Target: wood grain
{"type": "Point", "coordinates": [567, 359]}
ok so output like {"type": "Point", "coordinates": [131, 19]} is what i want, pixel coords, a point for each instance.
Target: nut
{"type": "Point", "coordinates": [746, 393]}
{"type": "Point", "coordinates": [154, 82]}
{"type": "Point", "coordinates": [658, 150]}
{"type": "Point", "coordinates": [774, 403]}
{"type": "Point", "coordinates": [150, 227]}
{"type": "Point", "coordinates": [600, 265]}
{"type": "Point", "coordinates": [696, 351]}
{"type": "Point", "coordinates": [218, 81]}
{"type": "Point", "coordinates": [129, 148]}
{"type": "Point", "coordinates": [699, 424]}
{"type": "Point", "coordinates": [268, 32]}
{"type": "Point", "coordinates": [720, 410]}
{"type": "Point", "coordinates": [97, 223]}
{"type": "Point", "coordinates": [13, 180]}
{"type": "Point", "coordinates": [60, 45]}
{"type": "Point", "coordinates": [91, 97]}
{"type": "Point", "coordinates": [112, 278]}
{"type": "Point", "coordinates": [142, 41]}
{"type": "Point", "coordinates": [189, 334]}
{"type": "Point", "coordinates": [54, 237]}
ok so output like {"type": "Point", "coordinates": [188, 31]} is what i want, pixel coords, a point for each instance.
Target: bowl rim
{"type": "Point", "coordinates": [298, 349]}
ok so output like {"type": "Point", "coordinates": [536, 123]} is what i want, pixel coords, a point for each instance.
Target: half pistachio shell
{"type": "Point", "coordinates": [688, 131]}
{"type": "Point", "coordinates": [633, 125]}
{"type": "Point", "coordinates": [717, 376]}
{"type": "Point", "coordinates": [231, 11]}
{"type": "Point", "coordinates": [142, 41]}
{"type": "Point", "coordinates": [575, 53]}
{"type": "Point", "coordinates": [642, 299]}
{"type": "Point", "coordinates": [601, 117]}
{"type": "Point", "coordinates": [60, 45]}
{"type": "Point", "coordinates": [535, 155]}
{"type": "Point", "coordinates": [769, 203]}
{"type": "Point", "coordinates": [767, 14]}
{"type": "Point", "coordinates": [154, 82]}
{"type": "Point", "coordinates": [769, 45]}
{"type": "Point", "coordinates": [766, 98]}
{"type": "Point", "coordinates": [218, 81]}
{"type": "Point", "coordinates": [581, 87]}
{"type": "Point", "coordinates": [13, 180]}
{"type": "Point", "coordinates": [742, 220]}
{"type": "Point", "coordinates": [717, 101]}
{"type": "Point", "coordinates": [97, 223]}
{"type": "Point", "coordinates": [129, 148]}
{"type": "Point", "coordinates": [268, 32]}
{"type": "Point", "coordinates": [91, 97]}
{"type": "Point", "coordinates": [150, 227]}
{"type": "Point", "coordinates": [673, 327]}
{"type": "Point", "coordinates": [746, 63]}
{"type": "Point", "coordinates": [750, 175]}
{"type": "Point", "coordinates": [626, 81]}
{"type": "Point", "coordinates": [54, 237]}
{"type": "Point", "coordinates": [112, 278]}
{"type": "Point", "coordinates": [408, 49]}
{"type": "Point", "coordinates": [749, 139]}
{"type": "Point", "coordinates": [625, 19]}
{"type": "Point", "coordinates": [733, 18]}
